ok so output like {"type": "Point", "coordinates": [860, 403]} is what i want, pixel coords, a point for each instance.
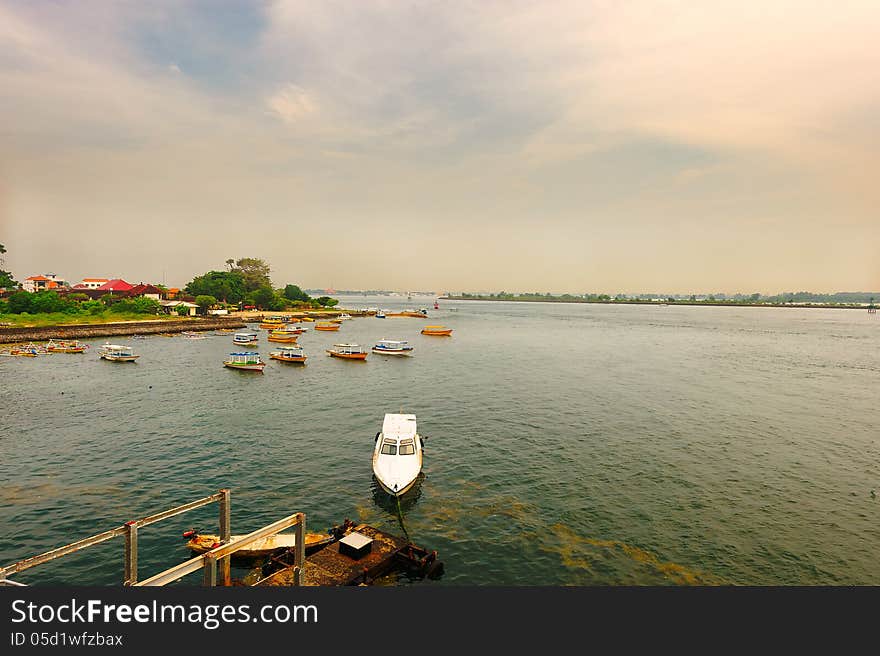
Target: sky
{"type": "Point", "coordinates": [603, 146]}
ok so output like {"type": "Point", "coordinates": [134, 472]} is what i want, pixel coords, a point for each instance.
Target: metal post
{"type": "Point", "coordinates": [210, 570]}
{"type": "Point", "coordinates": [299, 554]}
{"type": "Point", "coordinates": [225, 535]}
{"type": "Point", "coordinates": [131, 553]}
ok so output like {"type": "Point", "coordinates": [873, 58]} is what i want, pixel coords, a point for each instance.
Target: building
{"type": "Point", "coordinates": [172, 306]}
{"type": "Point", "coordinates": [115, 286]}
{"type": "Point", "coordinates": [91, 283]}
{"type": "Point", "coordinates": [42, 283]}
{"type": "Point", "coordinates": [148, 291]}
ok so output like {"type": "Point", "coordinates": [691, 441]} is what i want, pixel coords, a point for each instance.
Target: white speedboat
{"type": "Point", "coordinates": [397, 456]}
{"type": "Point", "coordinates": [393, 347]}
{"type": "Point", "coordinates": [117, 353]}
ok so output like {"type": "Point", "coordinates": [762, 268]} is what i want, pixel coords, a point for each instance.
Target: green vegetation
{"type": "Point", "coordinates": [205, 301]}
{"type": "Point", "coordinates": [247, 282]}
{"type": "Point", "coordinates": [6, 279]}
{"type": "Point", "coordinates": [48, 308]}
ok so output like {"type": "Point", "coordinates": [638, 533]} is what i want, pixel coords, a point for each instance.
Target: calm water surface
{"type": "Point", "coordinates": [568, 444]}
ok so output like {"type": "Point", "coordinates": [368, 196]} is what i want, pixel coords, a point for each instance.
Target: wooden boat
{"type": "Point", "coordinates": [117, 353]}
{"type": "Point", "coordinates": [307, 319]}
{"type": "Point", "coordinates": [342, 317]}
{"type": "Point", "coordinates": [393, 347]}
{"type": "Point", "coordinates": [440, 331]}
{"type": "Point", "coordinates": [271, 322]}
{"type": "Point", "coordinates": [289, 354]}
{"type": "Point", "coordinates": [406, 313]}
{"type": "Point", "coordinates": [397, 455]}
{"type": "Point", "coordinates": [326, 325]}
{"type": "Point", "coordinates": [245, 338]}
{"type": "Point", "coordinates": [246, 361]}
{"type": "Point", "coordinates": [200, 543]}
{"type": "Point", "coordinates": [282, 337]}
{"type": "Point", "coordinates": [189, 334]}
{"type": "Point", "coordinates": [71, 346]}
{"type": "Point", "coordinates": [348, 352]}
{"type": "Point", "coordinates": [30, 350]}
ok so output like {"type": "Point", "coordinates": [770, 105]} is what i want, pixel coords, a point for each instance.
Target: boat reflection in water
{"type": "Point", "coordinates": [388, 503]}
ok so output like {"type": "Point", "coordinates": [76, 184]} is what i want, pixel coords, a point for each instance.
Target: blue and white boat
{"type": "Point", "coordinates": [393, 347]}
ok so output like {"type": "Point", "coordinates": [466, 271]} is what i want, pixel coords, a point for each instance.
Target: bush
{"type": "Point", "coordinates": [20, 302]}
{"type": "Point", "coordinates": [4, 307]}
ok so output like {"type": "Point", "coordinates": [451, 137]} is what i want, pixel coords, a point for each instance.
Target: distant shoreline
{"type": "Point", "coordinates": [826, 306]}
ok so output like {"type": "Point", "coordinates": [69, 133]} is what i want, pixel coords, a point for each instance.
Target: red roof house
{"type": "Point", "coordinates": [115, 285]}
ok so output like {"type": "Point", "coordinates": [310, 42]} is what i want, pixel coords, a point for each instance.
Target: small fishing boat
{"type": "Point", "coordinates": [436, 305]}
{"type": "Point", "coordinates": [139, 337]}
{"type": "Point", "coordinates": [326, 325]}
{"type": "Point", "coordinates": [245, 338]}
{"type": "Point", "coordinates": [348, 352]}
{"type": "Point", "coordinates": [200, 543]}
{"type": "Point", "coordinates": [289, 354]}
{"type": "Point", "coordinates": [117, 353]}
{"type": "Point", "coordinates": [440, 331]}
{"type": "Point", "coordinates": [307, 319]}
{"type": "Point", "coordinates": [246, 361]}
{"type": "Point", "coordinates": [406, 313]}
{"type": "Point", "coordinates": [397, 455]}
{"type": "Point", "coordinates": [393, 347]}
{"type": "Point", "coordinates": [271, 322]}
{"type": "Point", "coordinates": [342, 317]}
{"type": "Point", "coordinates": [380, 314]}
{"type": "Point", "coordinates": [30, 350]}
{"type": "Point", "coordinates": [70, 346]}
{"type": "Point", "coordinates": [282, 337]}
{"type": "Point", "coordinates": [189, 334]}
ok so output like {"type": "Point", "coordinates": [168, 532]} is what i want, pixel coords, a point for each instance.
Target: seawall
{"type": "Point", "coordinates": [15, 334]}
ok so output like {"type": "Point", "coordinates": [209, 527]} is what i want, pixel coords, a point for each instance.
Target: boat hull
{"type": "Point", "coordinates": [348, 356]}
{"type": "Point", "coordinates": [291, 339]}
{"type": "Point", "coordinates": [438, 333]}
{"type": "Point", "coordinates": [261, 548]}
{"type": "Point", "coordinates": [245, 367]}
{"type": "Point", "coordinates": [403, 352]}
{"type": "Point", "coordinates": [120, 358]}
{"type": "Point", "coordinates": [333, 327]}
{"type": "Point", "coordinates": [295, 360]}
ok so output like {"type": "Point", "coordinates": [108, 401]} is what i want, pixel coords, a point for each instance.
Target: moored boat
{"type": "Point", "coordinates": [66, 346]}
{"type": "Point", "coordinates": [117, 353]}
{"type": "Point", "coordinates": [326, 325]}
{"type": "Point", "coordinates": [342, 317]}
{"type": "Point", "coordinates": [348, 352]}
{"type": "Point", "coordinates": [393, 347]}
{"type": "Point", "coordinates": [200, 543]}
{"type": "Point", "coordinates": [289, 354]}
{"type": "Point", "coordinates": [247, 361]}
{"type": "Point", "coordinates": [282, 337]}
{"type": "Point", "coordinates": [440, 331]}
{"type": "Point", "coordinates": [245, 338]}
{"type": "Point", "coordinates": [380, 314]}
{"type": "Point", "coordinates": [397, 455]}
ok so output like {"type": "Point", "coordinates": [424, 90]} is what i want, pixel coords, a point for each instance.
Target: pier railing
{"type": "Point", "coordinates": [212, 561]}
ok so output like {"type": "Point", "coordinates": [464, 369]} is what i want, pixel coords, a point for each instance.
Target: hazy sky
{"type": "Point", "coordinates": [577, 146]}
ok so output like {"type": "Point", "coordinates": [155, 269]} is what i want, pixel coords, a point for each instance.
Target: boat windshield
{"type": "Point", "coordinates": [407, 449]}
{"type": "Point", "coordinates": [389, 449]}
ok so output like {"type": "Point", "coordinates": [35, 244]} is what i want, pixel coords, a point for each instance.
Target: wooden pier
{"type": "Point", "coordinates": [286, 567]}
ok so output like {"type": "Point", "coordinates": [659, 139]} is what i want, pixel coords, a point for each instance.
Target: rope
{"type": "Point", "coordinates": [400, 519]}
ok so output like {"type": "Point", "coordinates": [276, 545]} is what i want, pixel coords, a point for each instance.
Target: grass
{"type": "Point", "coordinates": [62, 318]}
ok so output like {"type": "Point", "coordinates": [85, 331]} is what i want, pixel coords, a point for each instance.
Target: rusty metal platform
{"type": "Point", "coordinates": [332, 568]}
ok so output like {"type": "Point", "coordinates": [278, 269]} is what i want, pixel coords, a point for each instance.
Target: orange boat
{"type": "Point", "coordinates": [439, 331]}
{"type": "Point", "coordinates": [326, 325]}
{"type": "Point", "coordinates": [348, 352]}
{"type": "Point", "coordinates": [282, 337]}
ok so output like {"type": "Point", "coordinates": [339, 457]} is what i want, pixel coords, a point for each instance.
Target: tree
{"type": "Point", "coordinates": [326, 301]}
{"type": "Point", "coordinates": [264, 297]}
{"type": "Point", "coordinates": [6, 279]}
{"type": "Point", "coordinates": [294, 293]}
{"type": "Point", "coordinates": [226, 285]}
{"type": "Point", "coordinates": [205, 301]}
{"type": "Point", "coordinates": [255, 272]}
{"type": "Point", "coordinates": [20, 302]}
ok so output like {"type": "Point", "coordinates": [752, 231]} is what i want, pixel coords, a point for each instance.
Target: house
{"type": "Point", "coordinates": [42, 283]}
{"type": "Point", "coordinates": [91, 283]}
{"type": "Point", "coordinates": [148, 291]}
{"type": "Point", "coordinates": [115, 286]}
{"type": "Point", "coordinates": [171, 306]}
